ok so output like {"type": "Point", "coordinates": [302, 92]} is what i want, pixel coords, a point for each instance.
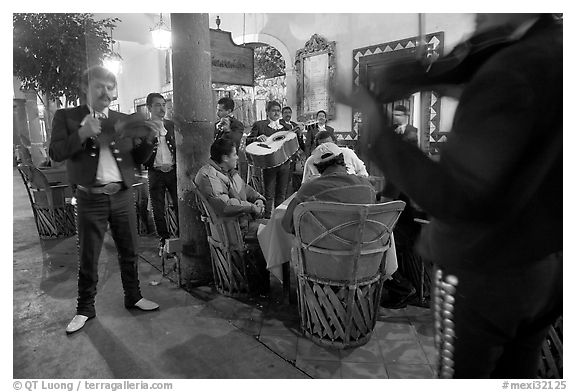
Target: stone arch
{"type": "Point", "coordinates": [288, 60]}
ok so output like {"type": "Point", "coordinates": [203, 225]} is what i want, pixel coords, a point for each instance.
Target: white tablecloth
{"type": "Point", "coordinates": [276, 244]}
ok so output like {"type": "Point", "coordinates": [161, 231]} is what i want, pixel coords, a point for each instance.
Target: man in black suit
{"type": "Point", "coordinates": [400, 289]}
{"type": "Point", "coordinates": [292, 126]}
{"type": "Point", "coordinates": [228, 127]}
{"type": "Point", "coordinates": [299, 157]}
{"type": "Point", "coordinates": [496, 228]}
{"type": "Point", "coordinates": [315, 128]}
{"type": "Point", "coordinates": [400, 119]}
{"type": "Point", "coordinates": [275, 178]}
{"type": "Point", "coordinates": [161, 166]}
{"type": "Point", "coordinates": [100, 160]}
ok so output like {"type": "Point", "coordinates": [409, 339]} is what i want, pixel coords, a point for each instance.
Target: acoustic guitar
{"type": "Point", "coordinates": [276, 150]}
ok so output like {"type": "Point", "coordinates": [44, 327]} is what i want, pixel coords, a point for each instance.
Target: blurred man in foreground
{"type": "Point", "coordinates": [496, 228]}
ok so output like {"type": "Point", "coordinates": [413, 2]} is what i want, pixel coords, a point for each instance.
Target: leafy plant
{"type": "Point", "coordinates": [268, 62]}
{"type": "Point", "coordinates": [51, 51]}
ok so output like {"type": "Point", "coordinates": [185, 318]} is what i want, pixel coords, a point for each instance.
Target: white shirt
{"type": "Point", "coordinates": [275, 124]}
{"type": "Point", "coordinates": [400, 129]}
{"type": "Point", "coordinates": [107, 170]}
{"type": "Point", "coordinates": [163, 154]}
{"type": "Point", "coordinates": [354, 165]}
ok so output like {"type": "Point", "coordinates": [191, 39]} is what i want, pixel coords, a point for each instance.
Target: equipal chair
{"type": "Point", "coordinates": [170, 214]}
{"type": "Point", "coordinates": [51, 204]}
{"type": "Point", "coordinates": [339, 256]}
{"type": "Point", "coordinates": [235, 262]}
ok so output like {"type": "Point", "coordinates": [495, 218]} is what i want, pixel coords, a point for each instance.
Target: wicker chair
{"type": "Point", "coordinates": [255, 178]}
{"type": "Point", "coordinates": [338, 257]}
{"type": "Point", "coordinates": [238, 266]}
{"type": "Point", "coordinates": [170, 215]}
{"type": "Point", "coordinates": [552, 364]}
{"type": "Point", "coordinates": [51, 204]}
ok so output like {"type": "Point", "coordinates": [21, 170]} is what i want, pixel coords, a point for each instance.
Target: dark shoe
{"type": "Point", "coordinates": [193, 283]}
{"type": "Point", "coordinates": [144, 304]}
{"type": "Point", "coordinates": [161, 247]}
{"type": "Point", "coordinates": [422, 303]}
{"type": "Point", "coordinates": [397, 303]}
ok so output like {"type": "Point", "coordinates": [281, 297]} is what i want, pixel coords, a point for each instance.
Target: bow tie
{"type": "Point", "coordinates": [275, 124]}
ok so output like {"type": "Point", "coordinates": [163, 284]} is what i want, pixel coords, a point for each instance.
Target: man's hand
{"type": "Point", "coordinates": [224, 124]}
{"type": "Point", "coordinates": [91, 128]}
{"type": "Point", "coordinates": [155, 127]}
{"type": "Point", "coordinates": [299, 128]}
{"type": "Point", "coordinates": [262, 138]}
{"type": "Point", "coordinates": [258, 208]}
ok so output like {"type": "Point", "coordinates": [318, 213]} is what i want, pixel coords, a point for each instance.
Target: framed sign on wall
{"type": "Point", "coordinates": [315, 70]}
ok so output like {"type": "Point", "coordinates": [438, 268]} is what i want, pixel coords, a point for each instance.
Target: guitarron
{"type": "Point", "coordinates": [279, 147]}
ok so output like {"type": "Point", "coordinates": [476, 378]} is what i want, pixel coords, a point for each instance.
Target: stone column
{"type": "Point", "coordinates": [21, 133]}
{"type": "Point", "coordinates": [194, 113]}
{"type": "Point", "coordinates": [291, 90]}
{"type": "Point", "coordinates": [35, 134]}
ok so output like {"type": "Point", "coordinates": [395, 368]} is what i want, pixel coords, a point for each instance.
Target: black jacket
{"type": "Point", "coordinates": [170, 141]}
{"type": "Point", "coordinates": [495, 196]}
{"type": "Point", "coordinates": [81, 166]}
{"type": "Point", "coordinates": [235, 134]}
{"type": "Point", "coordinates": [311, 135]}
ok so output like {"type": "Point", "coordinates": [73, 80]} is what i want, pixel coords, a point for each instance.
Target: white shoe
{"type": "Point", "coordinates": [76, 324]}
{"type": "Point", "coordinates": [145, 304]}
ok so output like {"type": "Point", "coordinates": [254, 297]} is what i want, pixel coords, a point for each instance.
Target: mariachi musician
{"type": "Point", "coordinates": [313, 129]}
{"type": "Point", "coordinates": [101, 148]}
{"type": "Point", "coordinates": [297, 161]}
{"type": "Point", "coordinates": [495, 233]}
{"type": "Point", "coordinates": [275, 178]}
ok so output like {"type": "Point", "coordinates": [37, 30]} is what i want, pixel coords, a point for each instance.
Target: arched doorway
{"type": "Point", "coordinates": [290, 77]}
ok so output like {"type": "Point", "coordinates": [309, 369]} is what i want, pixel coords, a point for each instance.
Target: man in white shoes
{"type": "Point", "coordinates": [101, 155]}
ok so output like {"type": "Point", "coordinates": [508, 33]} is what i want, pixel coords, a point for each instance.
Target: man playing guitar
{"type": "Point", "coordinates": [275, 178]}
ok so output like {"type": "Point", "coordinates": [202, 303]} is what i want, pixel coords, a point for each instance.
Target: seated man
{"type": "Point", "coordinates": [354, 165]}
{"type": "Point", "coordinates": [334, 183]}
{"type": "Point", "coordinates": [226, 191]}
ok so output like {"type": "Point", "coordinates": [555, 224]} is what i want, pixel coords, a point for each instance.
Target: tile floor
{"type": "Point", "coordinates": [401, 347]}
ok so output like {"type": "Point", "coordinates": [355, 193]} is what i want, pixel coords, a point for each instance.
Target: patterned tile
{"type": "Point", "coordinates": [257, 363]}
{"type": "Point", "coordinates": [279, 327]}
{"type": "Point", "coordinates": [251, 327]}
{"type": "Point", "coordinates": [429, 350]}
{"type": "Point", "coordinates": [285, 346]}
{"type": "Point", "coordinates": [402, 351]}
{"type": "Point", "coordinates": [370, 352]}
{"type": "Point", "coordinates": [403, 371]}
{"type": "Point", "coordinates": [397, 330]}
{"type": "Point", "coordinates": [319, 369]}
{"type": "Point", "coordinates": [384, 313]}
{"type": "Point", "coordinates": [363, 370]}
{"type": "Point", "coordinates": [309, 350]}
{"type": "Point", "coordinates": [424, 329]}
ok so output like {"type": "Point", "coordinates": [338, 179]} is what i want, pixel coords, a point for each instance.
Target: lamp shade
{"type": "Point", "coordinates": [161, 36]}
{"type": "Point", "coordinates": [113, 63]}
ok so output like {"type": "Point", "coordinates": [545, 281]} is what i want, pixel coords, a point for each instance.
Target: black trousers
{"type": "Point", "coordinates": [95, 211]}
{"type": "Point", "coordinates": [501, 319]}
{"type": "Point", "coordinates": [275, 186]}
{"type": "Point", "coordinates": [158, 183]}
